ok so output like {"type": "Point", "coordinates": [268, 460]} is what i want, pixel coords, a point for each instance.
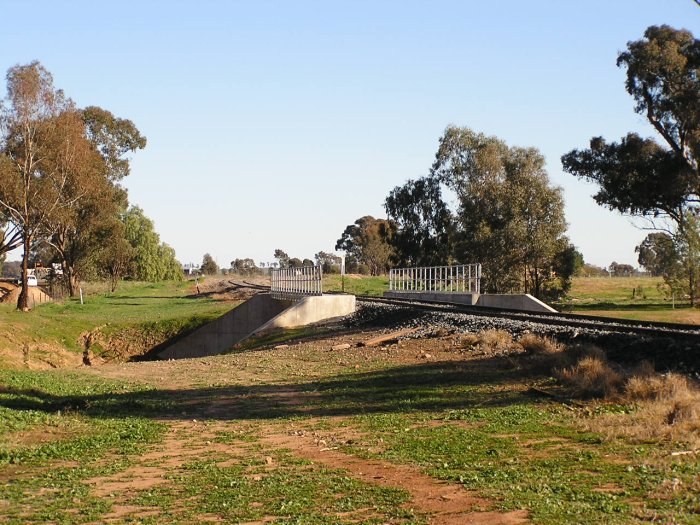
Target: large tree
{"type": "Point", "coordinates": [81, 233]}
{"type": "Point", "coordinates": [640, 176]}
{"type": "Point", "coordinates": [245, 266]}
{"type": "Point", "coordinates": [658, 254]}
{"type": "Point", "coordinates": [209, 266]}
{"type": "Point", "coordinates": [115, 258]}
{"type": "Point", "coordinates": [509, 217]}
{"type": "Point", "coordinates": [329, 262]}
{"type": "Point", "coordinates": [40, 155]}
{"type": "Point", "coordinates": [368, 241]}
{"type": "Point", "coordinates": [422, 226]}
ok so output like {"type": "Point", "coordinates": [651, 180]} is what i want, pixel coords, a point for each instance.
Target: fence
{"type": "Point", "coordinates": [295, 283]}
{"type": "Point", "coordinates": [463, 278]}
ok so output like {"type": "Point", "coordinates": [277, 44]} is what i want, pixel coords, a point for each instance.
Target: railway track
{"type": "Point", "coordinates": [603, 324]}
{"type": "Point", "coordinates": [669, 346]}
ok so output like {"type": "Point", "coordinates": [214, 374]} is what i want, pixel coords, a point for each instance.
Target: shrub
{"type": "Point", "coordinates": [591, 376]}
{"type": "Point", "coordinates": [496, 341]}
{"type": "Point", "coordinates": [657, 387]}
{"type": "Point", "coordinates": [537, 345]}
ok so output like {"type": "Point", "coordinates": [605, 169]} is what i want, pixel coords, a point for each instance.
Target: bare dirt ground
{"type": "Point", "coordinates": [229, 289]}
{"type": "Point", "coordinates": [9, 293]}
{"type": "Point", "coordinates": [193, 431]}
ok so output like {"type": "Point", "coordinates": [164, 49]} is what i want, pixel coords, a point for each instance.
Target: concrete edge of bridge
{"type": "Point", "coordinates": [524, 302]}
{"type": "Point", "coordinates": [259, 314]}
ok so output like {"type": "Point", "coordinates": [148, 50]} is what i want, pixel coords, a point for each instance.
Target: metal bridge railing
{"type": "Point", "coordinates": [464, 278]}
{"type": "Point", "coordinates": [296, 283]}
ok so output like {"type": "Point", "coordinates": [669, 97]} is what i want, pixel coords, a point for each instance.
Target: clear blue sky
{"type": "Point", "coordinates": [276, 124]}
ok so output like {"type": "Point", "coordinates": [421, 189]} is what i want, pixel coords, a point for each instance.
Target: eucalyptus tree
{"type": "Point", "coordinates": [40, 154]}
{"type": "Point", "coordinates": [659, 181]}
{"type": "Point", "coordinates": [509, 217]}
{"type": "Point", "coordinates": [421, 224]}
{"type": "Point", "coordinates": [368, 241]}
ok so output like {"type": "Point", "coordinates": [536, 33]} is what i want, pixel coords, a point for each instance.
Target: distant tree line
{"type": "Point", "coordinates": [60, 193]}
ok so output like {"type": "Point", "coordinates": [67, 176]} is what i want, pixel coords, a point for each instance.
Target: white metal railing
{"type": "Point", "coordinates": [295, 283]}
{"type": "Point", "coordinates": [462, 278]}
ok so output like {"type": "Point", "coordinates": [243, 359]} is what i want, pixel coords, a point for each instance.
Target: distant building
{"type": "Point", "coordinates": [190, 269]}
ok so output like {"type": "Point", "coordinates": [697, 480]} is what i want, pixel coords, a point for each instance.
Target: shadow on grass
{"type": "Point", "coordinates": [425, 387]}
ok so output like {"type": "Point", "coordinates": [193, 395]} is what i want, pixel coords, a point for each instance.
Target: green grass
{"type": "Point", "coordinates": [356, 284]}
{"type": "Point", "coordinates": [46, 480]}
{"type": "Point", "coordinates": [620, 291]}
{"type": "Point", "coordinates": [148, 307]}
{"type": "Point", "coordinates": [470, 423]}
{"type": "Point", "coordinates": [510, 447]}
{"type": "Point", "coordinates": [295, 491]}
{"type": "Point", "coordinates": [636, 298]}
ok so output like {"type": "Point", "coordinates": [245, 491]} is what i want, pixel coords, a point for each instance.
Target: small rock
{"type": "Point", "coordinates": [269, 460]}
{"type": "Point", "coordinates": [425, 355]}
{"type": "Point", "coordinates": [281, 347]}
{"type": "Point", "coordinates": [343, 346]}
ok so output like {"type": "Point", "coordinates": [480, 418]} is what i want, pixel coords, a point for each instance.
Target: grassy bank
{"type": "Point", "coordinates": [146, 308]}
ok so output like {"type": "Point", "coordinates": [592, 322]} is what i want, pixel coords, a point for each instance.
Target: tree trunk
{"type": "Point", "coordinates": [691, 283]}
{"type": "Point", "coordinates": [73, 283]}
{"type": "Point", "coordinates": [23, 300]}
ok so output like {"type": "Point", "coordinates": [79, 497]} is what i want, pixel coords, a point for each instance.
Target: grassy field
{"type": "Point", "coordinates": [441, 430]}
{"type": "Point", "coordinates": [640, 298]}
{"type": "Point", "coordinates": [356, 284]}
{"type": "Point", "coordinates": [311, 435]}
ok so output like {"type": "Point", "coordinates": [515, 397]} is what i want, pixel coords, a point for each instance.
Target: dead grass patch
{"type": "Point", "coordinates": [591, 376]}
{"type": "Point", "coordinates": [497, 342]}
{"type": "Point", "coordinates": [537, 345]}
{"type": "Point", "coordinates": [668, 409]}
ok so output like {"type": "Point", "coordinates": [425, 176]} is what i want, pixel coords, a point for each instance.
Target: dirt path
{"type": "Point", "coordinates": [194, 437]}
{"type": "Point", "coordinates": [447, 504]}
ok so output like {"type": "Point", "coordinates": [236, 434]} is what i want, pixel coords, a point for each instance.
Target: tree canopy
{"type": "Point", "coordinates": [641, 176]}
{"type": "Point", "coordinates": [153, 261]}
{"type": "Point", "coordinates": [659, 181]}
{"type": "Point", "coordinates": [422, 226]}
{"type": "Point", "coordinates": [507, 215]}
{"type": "Point", "coordinates": [209, 266]}
{"type": "Point", "coordinates": [60, 169]}
{"type": "Point", "coordinates": [367, 241]}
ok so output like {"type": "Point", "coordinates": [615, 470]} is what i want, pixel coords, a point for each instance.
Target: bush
{"type": "Point", "coordinates": [496, 341]}
{"type": "Point", "coordinates": [536, 345]}
{"type": "Point", "coordinates": [591, 376]}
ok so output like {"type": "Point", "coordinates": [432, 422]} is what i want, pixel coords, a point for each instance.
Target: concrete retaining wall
{"type": "Point", "coordinates": [439, 297]}
{"type": "Point", "coordinates": [525, 302]}
{"type": "Point", "coordinates": [259, 314]}
{"type": "Point", "coordinates": [311, 310]}
{"type": "Point", "coordinates": [514, 302]}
